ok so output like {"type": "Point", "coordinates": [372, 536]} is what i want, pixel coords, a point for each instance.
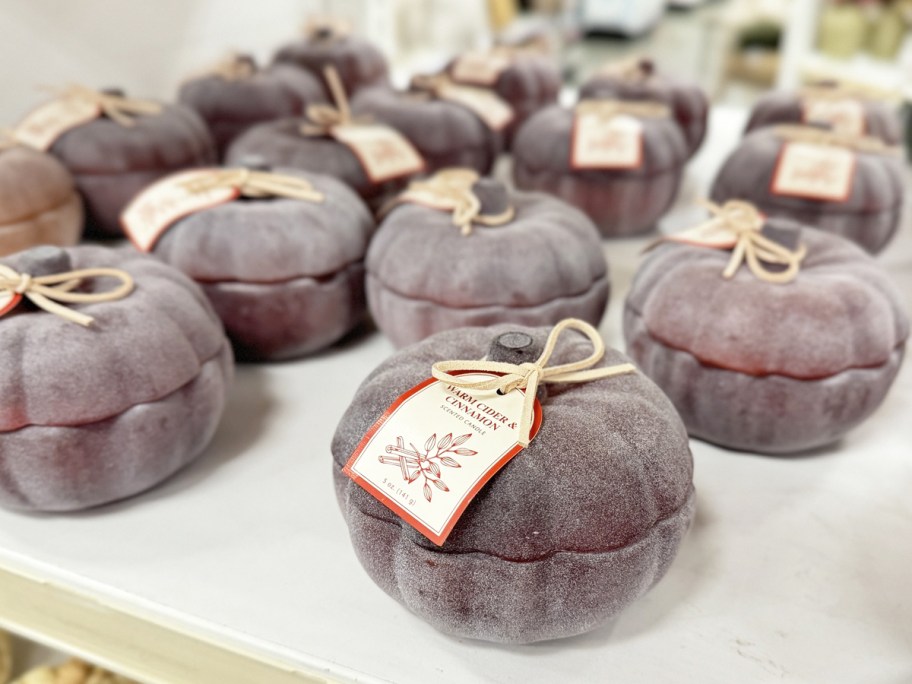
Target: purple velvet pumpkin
{"type": "Point", "coordinates": [359, 63]}
{"type": "Point", "coordinates": [445, 133]}
{"type": "Point", "coordinates": [282, 144]}
{"type": "Point", "coordinates": [879, 119]}
{"type": "Point", "coordinates": [286, 276]}
{"type": "Point", "coordinates": [575, 528]}
{"type": "Point", "coordinates": [529, 81]}
{"type": "Point", "coordinates": [868, 216]}
{"type": "Point", "coordinates": [543, 265]}
{"type": "Point", "coordinates": [110, 410]}
{"type": "Point", "coordinates": [38, 201]}
{"type": "Point", "coordinates": [242, 96]}
{"type": "Point", "coordinates": [641, 81]}
{"type": "Point", "coordinates": [112, 162]}
{"type": "Point", "coordinates": [622, 201]}
{"type": "Point", "coordinates": [767, 367]}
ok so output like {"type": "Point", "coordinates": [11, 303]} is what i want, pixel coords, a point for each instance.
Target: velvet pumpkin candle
{"type": "Point", "coordinates": [238, 94]}
{"type": "Point", "coordinates": [848, 185]}
{"type": "Point", "coordinates": [330, 43]}
{"type": "Point", "coordinates": [115, 146]}
{"type": "Point", "coordinates": [568, 533]}
{"type": "Point", "coordinates": [758, 358]}
{"type": "Point", "coordinates": [130, 391]}
{"type": "Point", "coordinates": [620, 162]}
{"type": "Point", "coordinates": [373, 159]}
{"type": "Point", "coordinates": [458, 250]}
{"type": "Point", "coordinates": [638, 79]}
{"type": "Point", "coordinates": [38, 200]}
{"type": "Point", "coordinates": [280, 253]}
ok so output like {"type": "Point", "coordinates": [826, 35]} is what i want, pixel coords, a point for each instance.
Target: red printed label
{"type": "Point", "coordinates": [383, 152]}
{"type": "Point", "coordinates": [600, 142]}
{"type": "Point", "coordinates": [153, 210]}
{"type": "Point", "coordinates": [479, 68]}
{"type": "Point", "coordinates": [843, 116]}
{"type": "Point", "coordinates": [434, 449]}
{"type": "Point", "coordinates": [9, 300]}
{"type": "Point", "coordinates": [41, 127]}
{"type": "Point", "coordinates": [821, 172]}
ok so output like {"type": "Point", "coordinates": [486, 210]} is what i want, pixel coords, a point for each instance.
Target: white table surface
{"type": "Point", "coordinates": [796, 569]}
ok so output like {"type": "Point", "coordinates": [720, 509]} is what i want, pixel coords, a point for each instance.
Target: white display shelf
{"type": "Point", "coordinates": [239, 569]}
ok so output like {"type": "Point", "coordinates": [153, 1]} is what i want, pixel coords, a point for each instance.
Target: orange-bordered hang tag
{"type": "Point", "coordinates": [384, 153]}
{"type": "Point", "coordinates": [480, 68]}
{"type": "Point", "coordinates": [608, 134]}
{"type": "Point", "coordinates": [435, 447]}
{"type": "Point", "coordinates": [841, 114]}
{"type": "Point", "coordinates": [46, 123]}
{"type": "Point", "coordinates": [814, 171]}
{"type": "Point", "coordinates": [167, 201]}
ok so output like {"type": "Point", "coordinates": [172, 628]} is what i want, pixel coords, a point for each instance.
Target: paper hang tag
{"type": "Point", "coordinates": [479, 68]}
{"type": "Point", "coordinates": [163, 203]}
{"type": "Point", "coordinates": [842, 115]}
{"type": "Point", "coordinates": [598, 142]}
{"type": "Point", "coordinates": [810, 171]}
{"type": "Point", "coordinates": [383, 152]}
{"type": "Point", "coordinates": [43, 125]}
{"type": "Point", "coordinates": [485, 104]}
{"type": "Point", "coordinates": [8, 302]}
{"type": "Point", "coordinates": [434, 449]}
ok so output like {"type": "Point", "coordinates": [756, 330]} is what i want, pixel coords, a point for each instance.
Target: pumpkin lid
{"type": "Point", "coordinates": [31, 182]}
{"type": "Point", "coordinates": [175, 138]}
{"type": "Point", "coordinates": [272, 239]}
{"type": "Point", "coordinates": [548, 250]}
{"type": "Point", "coordinates": [840, 312]}
{"type": "Point", "coordinates": [611, 459]}
{"type": "Point", "coordinates": [138, 349]}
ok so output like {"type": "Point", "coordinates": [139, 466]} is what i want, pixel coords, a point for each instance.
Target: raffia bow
{"type": "Point", "coordinates": [252, 183]}
{"type": "Point", "coordinates": [635, 68]}
{"type": "Point", "coordinates": [326, 28]}
{"type": "Point", "coordinates": [452, 189]}
{"type": "Point", "coordinates": [431, 84]}
{"type": "Point", "coordinates": [528, 376]}
{"type": "Point", "coordinates": [234, 67]}
{"type": "Point", "coordinates": [608, 109]}
{"type": "Point", "coordinates": [743, 223]}
{"type": "Point", "coordinates": [46, 291]}
{"type": "Point", "coordinates": [116, 107]}
{"type": "Point", "coordinates": [824, 136]}
{"type": "Point", "coordinates": [322, 117]}
{"type": "Point", "coordinates": [8, 139]}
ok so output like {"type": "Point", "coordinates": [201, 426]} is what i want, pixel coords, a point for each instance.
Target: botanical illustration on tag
{"type": "Point", "coordinates": [479, 68]}
{"type": "Point", "coordinates": [434, 449]}
{"type": "Point", "coordinates": [843, 115]}
{"type": "Point", "coordinates": [600, 142]}
{"type": "Point", "coordinates": [823, 172]}
{"type": "Point", "coordinates": [383, 152]}
{"type": "Point", "coordinates": [157, 207]}
{"type": "Point", "coordinates": [485, 104]}
{"type": "Point", "coordinates": [42, 126]}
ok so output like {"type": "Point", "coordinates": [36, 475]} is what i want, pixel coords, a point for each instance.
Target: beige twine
{"type": "Point", "coordinates": [530, 375]}
{"type": "Point", "coordinates": [824, 136]}
{"type": "Point", "coordinates": [252, 183]}
{"type": "Point", "coordinates": [452, 188]}
{"type": "Point", "coordinates": [323, 117]}
{"type": "Point", "coordinates": [608, 109]}
{"type": "Point", "coordinates": [116, 107]}
{"type": "Point", "coordinates": [45, 291]}
{"type": "Point", "coordinates": [326, 28]}
{"type": "Point", "coordinates": [233, 67]}
{"type": "Point", "coordinates": [8, 139]}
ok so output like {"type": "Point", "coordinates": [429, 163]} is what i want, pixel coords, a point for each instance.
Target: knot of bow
{"type": "Point", "coordinates": [744, 222]}
{"type": "Point", "coordinates": [46, 291]}
{"type": "Point", "coordinates": [118, 108]}
{"type": "Point", "coordinates": [252, 183]}
{"type": "Point", "coordinates": [528, 376]}
{"type": "Point", "coordinates": [322, 118]}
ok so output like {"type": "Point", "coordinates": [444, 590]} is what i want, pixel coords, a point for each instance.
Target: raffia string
{"type": "Point", "coordinates": [528, 376]}
{"type": "Point", "coordinates": [46, 291]}
{"type": "Point", "coordinates": [323, 118]}
{"type": "Point", "coordinates": [608, 109]}
{"type": "Point", "coordinates": [8, 139]}
{"type": "Point", "coordinates": [234, 67]}
{"type": "Point", "coordinates": [432, 84]}
{"type": "Point", "coordinates": [252, 183]}
{"type": "Point", "coordinates": [116, 107]}
{"type": "Point", "coordinates": [635, 68]}
{"type": "Point", "coordinates": [742, 221]}
{"type": "Point", "coordinates": [823, 136]}
{"type": "Point", "coordinates": [327, 28]}
{"type": "Point", "coordinates": [452, 189]}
